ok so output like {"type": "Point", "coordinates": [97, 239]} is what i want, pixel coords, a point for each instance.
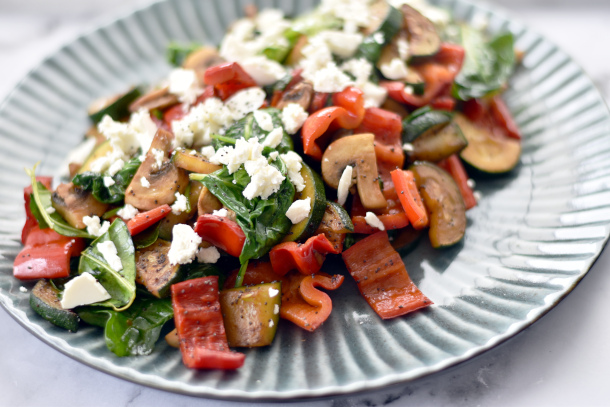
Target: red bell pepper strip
{"type": "Point", "coordinates": [453, 165]}
{"type": "Point", "coordinates": [318, 101]}
{"type": "Point", "coordinates": [474, 109]}
{"type": "Point", "coordinates": [409, 196]}
{"type": "Point", "coordinates": [144, 220]}
{"type": "Point", "coordinates": [347, 113]}
{"type": "Point", "coordinates": [444, 102]}
{"type": "Point", "coordinates": [392, 216]}
{"type": "Point", "coordinates": [258, 272]}
{"type": "Point", "coordinates": [438, 72]}
{"type": "Point", "coordinates": [382, 277]}
{"type": "Point", "coordinates": [227, 79]}
{"type": "Point", "coordinates": [203, 340]}
{"type": "Point", "coordinates": [307, 257]}
{"type": "Point", "coordinates": [46, 254]}
{"type": "Point", "coordinates": [387, 128]}
{"type": "Point", "coordinates": [30, 220]}
{"type": "Point", "coordinates": [503, 117]}
{"type": "Point", "coordinates": [221, 232]}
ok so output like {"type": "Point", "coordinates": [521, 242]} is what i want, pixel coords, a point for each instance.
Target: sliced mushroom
{"type": "Point", "coordinates": [167, 223]}
{"type": "Point", "coordinates": [207, 202]}
{"type": "Point", "coordinates": [301, 94]}
{"type": "Point", "coordinates": [194, 162]}
{"type": "Point", "coordinates": [357, 151]}
{"type": "Point", "coordinates": [163, 181]}
{"type": "Point", "coordinates": [202, 59]}
{"type": "Point", "coordinates": [155, 99]}
{"type": "Point", "coordinates": [72, 203]}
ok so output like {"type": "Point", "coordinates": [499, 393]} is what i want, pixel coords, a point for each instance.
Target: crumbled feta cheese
{"type": "Point", "coordinates": [144, 182]}
{"type": "Point", "coordinates": [264, 120]}
{"type": "Point", "coordinates": [205, 119]}
{"type": "Point", "coordinates": [110, 254]}
{"type": "Point", "coordinates": [316, 55]}
{"type": "Point", "coordinates": [121, 136]}
{"type": "Point", "coordinates": [208, 255]}
{"type": "Point", "coordinates": [345, 183]}
{"type": "Point", "coordinates": [184, 84]}
{"type": "Point", "coordinates": [234, 156]}
{"type": "Point", "coordinates": [23, 289]}
{"type": "Point", "coordinates": [180, 204]}
{"type": "Point", "coordinates": [409, 90]}
{"type": "Point", "coordinates": [294, 164]}
{"type": "Point", "coordinates": [108, 182]}
{"type": "Point", "coordinates": [330, 79]}
{"type": "Point", "coordinates": [396, 69]}
{"type": "Point", "coordinates": [50, 210]}
{"type": "Point", "coordinates": [471, 183]}
{"type": "Point", "coordinates": [274, 138]}
{"type": "Point", "coordinates": [221, 212]}
{"type": "Point", "coordinates": [116, 167]}
{"type": "Point", "coordinates": [237, 43]}
{"type": "Point", "coordinates": [374, 95]}
{"type": "Point", "coordinates": [402, 46]}
{"type": "Point", "coordinates": [185, 244]}
{"type": "Point", "coordinates": [477, 195]}
{"type": "Point", "coordinates": [293, 117]}
{"type": "Point", "coordinates": [208, 151]}
{"type": "Point", "coordinates": [299, 210]}
{"type": "Point", "coordinates": [361, 69]}
{"type": "Point", "coordinates": [276, 309]}
{"type": "Point", "coordinates": [144, 127]}
{"type": "Point", "coordinates": [83, 290]}
{"type": "Point", "coordinates": [265, 179]}
{"type": "Point", "coordinates": [245, 101]}
{"type": "Point", "coordinates": [354, 13]}
{"type": "Point", "coordinates": [94, 228]}
{"type": "Point", "coordinates": [342, 43]}
{"type": "Point", "coordinates": [159, 156]}
{"type": "Point", "coordinates": [271, 323]}
{"type": "Point", "coordinates": [273, 292]}
{"type": "Point", "coordinates": [373, 221]}
{"type": "Point", "coordinates": [273, 155]}
{"type": "Point", "coordinates": [193, 152]}
{"type": "Point", "coordinates": [408, 147]}
{"type": "Point", "coordinates": [264, 71]}
{"type": "Point", "coordinates": [127, 212]}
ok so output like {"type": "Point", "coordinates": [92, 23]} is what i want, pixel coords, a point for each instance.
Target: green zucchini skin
{"type": "Point", "coordinates": [44, 300]}
{"type": "Point", "coordinates": [438, 143]}
{"type": "Point", "coordinates": [423, 37]}
{"type": "Point", "coordinates": [422, 120]}
{"type": "Point", "coordinates": [117, 108]}
{"type": "Point", "coordinates": [373, 44]}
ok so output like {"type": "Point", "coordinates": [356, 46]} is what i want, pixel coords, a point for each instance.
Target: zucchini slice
{"type": "Point", "coordinates": [421, 121]}
{"type": "Point", "coordinates": [487, 152]}
{"type": "Point", "coordinates": [314, 189]}
{"type": "Point", "coordinates": [337, 219]}
{"type": "Point", "coordinates": [444, 203]}
{"type": "Point", "coordinates": [423, 37]}
{"type": "Point", "coordinates": [117, 107]}
{"type": "Point", "coordinates": [154, 271]}
{"type": "Point", "coordinates": [379, 37]}
{"type": "Point", "coordinates": [100, 151]}
{"type": "Point", "coordinates": [44, 299]}
{"type": "Point", "coordinates": [438, 143]}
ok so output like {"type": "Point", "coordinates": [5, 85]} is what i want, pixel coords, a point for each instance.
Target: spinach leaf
{"type": "Point", "coordinates": [248, 127]}
{"type": "Point", "coordinates": [135, 330]}
{"type": "Point", "coordinates": [263, 221]}
{"type": "Point", "coordinates": [487, 65]}
{"type": "Point", "coordinates": [147, 237]}
{"type": "Point", "coordinates": [91, 181]}
{"type": "Point", "coordinates": [42, 203]}
{"type": "Point", "coordinates": [120, 284]}
{"type": "Point", "coordinates": [196, 270]}
{"type": "Point", "coordinates": [176, 52]}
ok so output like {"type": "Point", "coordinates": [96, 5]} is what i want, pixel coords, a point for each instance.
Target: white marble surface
{"type": "Point", "coordinates": [562, 360]}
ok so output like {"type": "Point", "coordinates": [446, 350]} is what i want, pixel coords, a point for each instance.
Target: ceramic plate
{"type": "Point", "coordinates": [531, 239]}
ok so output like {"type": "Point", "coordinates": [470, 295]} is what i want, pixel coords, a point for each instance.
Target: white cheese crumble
{"type": "Point", "coordinates": [471, 183]}
{"type": "Point", "coordinates": [273, 292]}
{"type": "Point", "coordinates": [111, 255]}
{"type": "Point", "coordinates": [293, 117]}
{"type": "Point", "coordinates": [271, 323]}
{"type": "Point", "coordinates": [94, 227]}
{"type": "Point", "coordinates": [208, 151]}
{"type": "Point", "coordinates": [264, 120]}
{"type": "Point", "coordinates": [264, 71]}
{"type": "Point", "coordinates": [23, 289]}
{"type": "Point", "coordinates": [221, 212]}
{"type": "Point", "coordinates": [144, 182]}
{"type": "Point", "coordinates": [184, 84]}
{"type": "Point", "coordinates": [372, 220]}
{"type": "Point", "coordinates": [354, 13]}
{"type": "Point", "coordinates": [330, 79]}
{"type": "Point", "coordinates": [116, 167]}
{"type": "Point", "coordinates": [408, 147]}
{"type": "Point", "coordinates": [396, 69]}
{"type": "Point", "coordinates": [294, 164]}
{"type": "Point", "coordinates": [144, 127]}
{"type": "Point", "coordinates": [345, 183]}
{"type": "Point", "coordinates": [234, 156]}
{"type": "Point", "coordinates": [299, 210]}
{"type": "Point", "coordinates": [180, 204]}
{"type": "Point", "coordinates": [205, 119]}
{"type": "Point", "coordinates": [108, 182]}
{"type": "Point", "coordinates": [274, 138]}
{"type": "Point", "coordinates": [127, 212]}
{"type": "Point", "coordinates": [185, 244]}
{"type": "Point", "coordinates": [361, 69]}
{"type": "Point", "coordinates": [83, 290]}
{"type": "Point", "coordinates": [245, 101]}
{"type": "Point", "coordinates": [159, 156]}
{"type": "Point", "coordinates": [208, 255]}
{"type": "Point", "coordinates": [50, 210]}
{"type": "Point", "coordinates": [265, 179]}
{"type": "Point", "coordinates": [273, 155]}
{"type": "Point", "coordinates": [276, 309]}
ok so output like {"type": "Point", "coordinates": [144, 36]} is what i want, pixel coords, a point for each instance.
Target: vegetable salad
{"type": "Point", "coordinates": [204, 207]}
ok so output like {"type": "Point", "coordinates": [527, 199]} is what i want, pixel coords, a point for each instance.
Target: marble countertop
{"type": "Point", "coordinates": [562, 360]}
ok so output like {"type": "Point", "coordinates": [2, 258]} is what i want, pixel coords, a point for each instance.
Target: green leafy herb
{"type": "Point", "coordinates": [135, 330]}
{"type": "Point", "coordinates": [41, 204]}
{"type": "Point", "coordinates": [120, 284]}
{"type": "Point", "coordinates": [147, 237]}
{"type": "Point", "coordinates": [176, 52]}
{"type": "Point", "coordinates": [91, 181]}
{"type": "Point", "coordinates": [487, 65]}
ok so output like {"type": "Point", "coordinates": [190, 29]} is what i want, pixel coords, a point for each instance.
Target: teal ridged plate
{"type": "Point", "coordinates": [531, 239]}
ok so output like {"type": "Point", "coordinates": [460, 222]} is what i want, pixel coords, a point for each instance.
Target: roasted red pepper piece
{"type": "Point", "coordinates": [222, 232]}
{"type": "Point", "coordinates": [144, 220]}
{"type": "Point", "coordinates": [318, 101]}
{"type": "Point", "coordinates": [30, 220]}
{"type": "Point", "coordinates": [438, 72]}
{"type": "Point", "coordinates": [382, 277]}
{"type": "Point", "coordinates": [203, 341]}
{"type": "Point", "coordinates": [227, 79]}
{"type": "Point", "coordinates": [408, 194]}
{"type": "Point", "coordinates": [453, 165]}
{"type": "Point", "coordinates": [503, 117]}
{"type": "Point", "coordinates": [347, 113]}
{"type": "Point", "coordinates": [46, 254]}
{"type": "Point", "coordinates": [306, 257]}
{"type": "Point", "coordinates": [392, 216]}
{"type": "Point", "coordinates": [387, 128]}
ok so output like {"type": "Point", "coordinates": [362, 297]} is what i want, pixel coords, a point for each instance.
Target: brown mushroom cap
{"type": "Point", "coordinates": [359, 152]}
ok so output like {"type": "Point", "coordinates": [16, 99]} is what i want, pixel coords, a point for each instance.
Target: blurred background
{"type": "Point", "coordinates": [543, 366]}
